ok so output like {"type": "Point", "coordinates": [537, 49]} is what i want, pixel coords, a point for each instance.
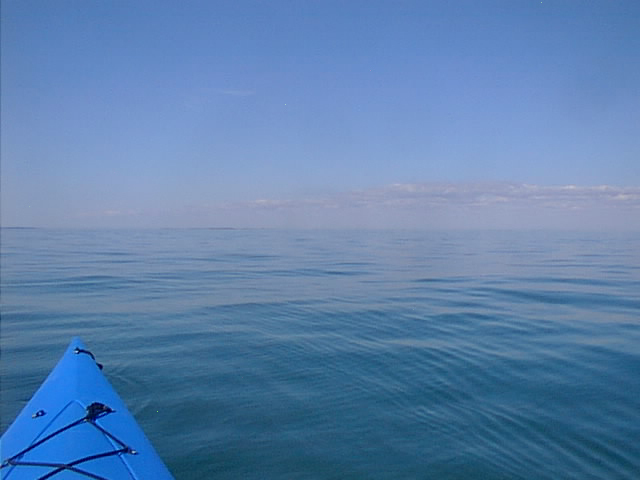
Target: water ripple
{"type": "Point", "coordinates": [380, 355]}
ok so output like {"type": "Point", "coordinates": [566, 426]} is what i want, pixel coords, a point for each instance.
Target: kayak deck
{"type": "Point", "coordinates": [76, 426]}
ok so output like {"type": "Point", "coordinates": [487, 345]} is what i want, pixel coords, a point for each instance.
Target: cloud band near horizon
{"type": "Point", "coordinates": [411, 205]}
{"type": "Point", "coordinates": [406, 195]}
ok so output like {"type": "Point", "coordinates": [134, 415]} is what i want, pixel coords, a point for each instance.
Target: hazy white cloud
{"type": "Point", "coordinates": [408, 205]}
{"type": "Point", "coordinates": [202, 98]}
{"type": "Point", "coordinates": [120, 213]}
{"type": "Point", "coordinates": [236, 92]}
{"type": "Point", "coordinates": [448, 205]}
{"type": "Point", "coordinates": [470, 195]}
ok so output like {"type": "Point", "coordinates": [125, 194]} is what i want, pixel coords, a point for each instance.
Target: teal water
{"type": "Point", "coordinates": [262, 354]}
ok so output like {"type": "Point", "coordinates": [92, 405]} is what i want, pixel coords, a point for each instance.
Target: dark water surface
{"type": "Point", "coordinates": [262, 354]}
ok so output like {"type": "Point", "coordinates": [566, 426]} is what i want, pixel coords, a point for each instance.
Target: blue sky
{"type": "Point", "coordinates": [321, 113]}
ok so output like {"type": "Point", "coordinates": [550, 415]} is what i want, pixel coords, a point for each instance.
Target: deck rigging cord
{"type": "Point", "coordinates": [94, 411]}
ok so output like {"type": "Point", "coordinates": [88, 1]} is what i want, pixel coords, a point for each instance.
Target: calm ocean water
{"type": "Point", "coordinates": [261, 354]}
